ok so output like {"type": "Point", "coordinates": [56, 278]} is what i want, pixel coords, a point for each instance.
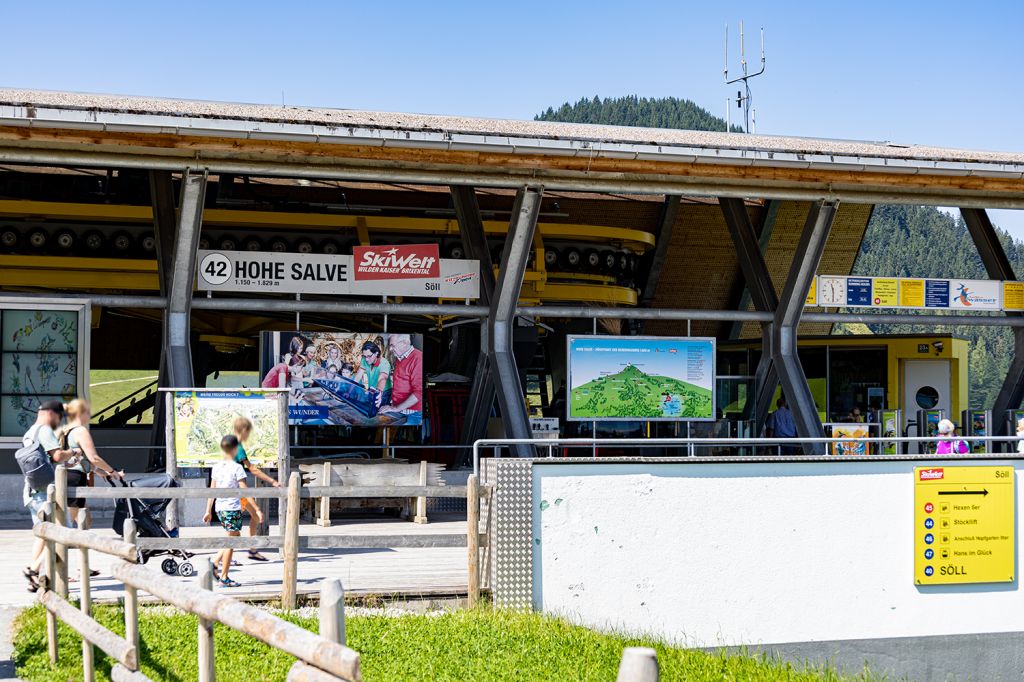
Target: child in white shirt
{"type": "Point", "coordinates": [227, 473]}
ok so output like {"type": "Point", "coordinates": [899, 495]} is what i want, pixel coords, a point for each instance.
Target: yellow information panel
{"type": "Point", "coordinates": [963, 525]}
{"type": "Point", "coordinates": [1013, 295]}
{"type": "Point", "coordinates": [912, 293]}
{"type": "Point", "coordinates": [812, 295]}
{"type": "Point", "coordinates": [886, 291]}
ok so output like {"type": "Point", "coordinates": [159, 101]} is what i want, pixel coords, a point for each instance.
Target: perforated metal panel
{"type": "Point", "coordinates": [511, 532]}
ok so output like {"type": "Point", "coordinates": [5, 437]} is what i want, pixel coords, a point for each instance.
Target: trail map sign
{"type": "Point", "coordinates": [964, 525]}
{"type": "Point", "coordinates": [202, 418]}
{"type": "Point", "coordinates": [617, 378]}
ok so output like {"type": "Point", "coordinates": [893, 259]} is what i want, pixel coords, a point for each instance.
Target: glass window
{"type": "Point", "coordinates": [852, 372]}
{"type": "Point", "coordinates": [38, 362]}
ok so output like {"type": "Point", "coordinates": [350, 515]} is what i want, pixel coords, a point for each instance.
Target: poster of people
{"type": "Point", "coordinates": [346, 379]}
{"type": "Point", "coordinates": [202, 418]}
{"type": "Point", "coordinates": [641, 377]}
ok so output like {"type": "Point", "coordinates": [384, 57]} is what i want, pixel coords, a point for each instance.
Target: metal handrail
{"type": "Point", "coordinates": [707, 441]}
{"type": "Point", "coordinates": [114, 405]}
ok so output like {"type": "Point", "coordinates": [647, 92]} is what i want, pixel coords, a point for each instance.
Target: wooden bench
{"type": "Point", "coordinates": [369, 472]}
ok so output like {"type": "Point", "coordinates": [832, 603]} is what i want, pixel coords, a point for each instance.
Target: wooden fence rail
{"type": "Point", "coordinates": [320, 657]}
{"type": "Point", "coordinates": [290, 541]}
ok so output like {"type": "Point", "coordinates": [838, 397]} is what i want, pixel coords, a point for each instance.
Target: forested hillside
{"type": "Point", "coordinates": [916, 241]}
{"type": "Point", "coordinates": [664, 112]}
{"type": "Point", "coordinates": [904, 241]}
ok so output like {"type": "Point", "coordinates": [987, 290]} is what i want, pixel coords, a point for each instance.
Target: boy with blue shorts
{"type": "Point", "coordinates": [227, 473]}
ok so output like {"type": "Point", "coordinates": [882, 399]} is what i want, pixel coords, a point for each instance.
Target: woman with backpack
{"type": "Point", "coordinates": [75, 436]}
{"type": "Point", "coordinates": [40, 450]}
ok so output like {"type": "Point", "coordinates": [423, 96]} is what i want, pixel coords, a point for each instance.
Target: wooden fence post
{"type": "Point", "coordinates": [421, 502]}
{"type": "Point", "coordinates": [473, 540]}
{"type": "Point", "coordinates": [332, 611]}
{"type": "Point", "coordinates": [289, 582]}
{"type": "Point", "coordinates": [88, 653]}
{"type": "Point", "coordinates": [207, 671]}
{"type": "Point", "coordinates": [60, 517]}
{"type": "Point", "coordinates": [131, 594]}
{"type": "Point", "coordinates": [639, 664]}
{"type": "Point", "coordinates": [51, 575]}
{"type": "Point", "coordinates": [324, 517]}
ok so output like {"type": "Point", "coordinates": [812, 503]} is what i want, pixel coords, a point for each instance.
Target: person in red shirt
{"type": "Point", "coordinates": [406, 377]}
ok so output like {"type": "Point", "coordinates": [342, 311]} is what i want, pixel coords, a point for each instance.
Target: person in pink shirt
{"type": "Point", "coordinates": [946, 446]}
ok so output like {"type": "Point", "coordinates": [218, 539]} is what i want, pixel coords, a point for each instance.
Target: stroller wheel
{"type": "Point", "coordinates": [186, 569]}
{"type": "Point", "coordinates": [169, 566]}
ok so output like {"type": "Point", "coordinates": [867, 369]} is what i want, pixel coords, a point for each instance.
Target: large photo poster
{"type": "Point", "coordinates": [641, 377]}
{"type": "Point", "coordinates": [202, 418]}
{"type": "Point", "coordinates": [346, 379]}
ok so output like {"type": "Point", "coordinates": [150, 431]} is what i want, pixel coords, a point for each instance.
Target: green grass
{"type": "Point", "coordinates": [109, 386]}
{"type": "Point", "coordinates": [462, 645]}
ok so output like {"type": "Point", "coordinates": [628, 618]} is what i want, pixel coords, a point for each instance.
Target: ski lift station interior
{"type": "Point", "coordinates": [577, 230]}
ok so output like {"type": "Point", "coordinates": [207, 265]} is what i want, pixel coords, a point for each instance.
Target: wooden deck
{"type": "Point", "coordinates": [408, 572]}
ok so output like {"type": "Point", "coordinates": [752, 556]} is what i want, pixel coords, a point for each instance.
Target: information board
{"type": "Point", "coordinates": [964, 525]}
{"type": "Point", "coordinates": [896, 292]}
{"type": "Point", "coordinates": [202, 418]}
{"type": "Point", "coordinates": [619, 378]}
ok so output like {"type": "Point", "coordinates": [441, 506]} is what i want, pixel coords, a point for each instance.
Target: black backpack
{"type": "Point", "coordinates": [35, 464]}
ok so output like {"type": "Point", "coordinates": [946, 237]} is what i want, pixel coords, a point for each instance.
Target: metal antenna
{"type": "Point", "coordinates": [743, 97]}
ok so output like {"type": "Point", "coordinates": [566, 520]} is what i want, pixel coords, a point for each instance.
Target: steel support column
{"type": "Point", "coordinates": [998, 266]}
{"type": "Point", "coordinates": [764, 236]}
{"type": "Point", "coordinates": [787, 320]}
{"type": "Point", "coordinates": [502, 319]}
{"type": "Point", "coordinates": [182, 275]}
{"type": "Point", "coordinates": [161, 191]}
{"type": "Point", "coordinates": [666, 223]}
{"type": "Point", "coordinates": [761, 291]}
{"type": "Point", "coordinates": [474, 241]}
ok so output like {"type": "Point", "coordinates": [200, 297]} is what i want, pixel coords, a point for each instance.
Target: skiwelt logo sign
{"type": "Point", "coordinates": [418, 261]}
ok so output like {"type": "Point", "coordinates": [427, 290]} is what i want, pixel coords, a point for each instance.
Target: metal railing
{"type": "Point", "coordinates": [320, 657]}
{"type": "Point", "coordinates": [690, 443]}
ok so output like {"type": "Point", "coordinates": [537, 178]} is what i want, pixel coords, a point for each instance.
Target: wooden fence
{"type": "Point", "coordinates": [320, 657]}
{"type": "Point", "coordinates": [290, 541]}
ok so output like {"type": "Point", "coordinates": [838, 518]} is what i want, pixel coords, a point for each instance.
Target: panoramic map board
{"type": "Point", "coordinates": [616, 378]}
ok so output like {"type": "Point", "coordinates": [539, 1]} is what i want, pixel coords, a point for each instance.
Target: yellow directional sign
{"type": "Point", "coordinates": [963, 525]}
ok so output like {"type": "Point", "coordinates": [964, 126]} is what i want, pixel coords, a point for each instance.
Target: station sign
{"type": "Point", "coordinates": [964, 528]}
{"type": "Point", "coordinates": [413, 271]}
{"type": "Point", "coordinates": [842, 291]}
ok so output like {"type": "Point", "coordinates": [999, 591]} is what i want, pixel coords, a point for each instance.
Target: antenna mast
{"type": "Point", "coordinates": [743, 97]}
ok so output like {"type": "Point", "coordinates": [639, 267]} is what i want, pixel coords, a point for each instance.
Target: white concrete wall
{"type": "Point", "coordinates": [743, 554]}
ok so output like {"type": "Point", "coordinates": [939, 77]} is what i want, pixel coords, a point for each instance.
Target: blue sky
{"type": "Point", "coordinates": [687, 360]}
{"type": "Point", "coordinates": [919, 72]}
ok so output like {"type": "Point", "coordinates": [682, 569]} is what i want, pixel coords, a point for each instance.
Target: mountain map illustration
{"type": "Point", "coordinates": [634, 394]}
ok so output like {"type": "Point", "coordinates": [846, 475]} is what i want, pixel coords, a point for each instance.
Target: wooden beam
{"type": "Point", "coordinates": [249, 620]}
{"type": "Point", "coordinates": [112, 645]}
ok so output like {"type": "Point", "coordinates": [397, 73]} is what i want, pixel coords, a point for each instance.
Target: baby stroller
{"type": "Point", "coordinates": [146, 514]}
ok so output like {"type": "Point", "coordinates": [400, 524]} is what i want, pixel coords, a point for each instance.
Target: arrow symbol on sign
{"type": "Point", "coordinates": [983, 491]}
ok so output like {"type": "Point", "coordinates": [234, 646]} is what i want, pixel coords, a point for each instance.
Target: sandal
{"type": "Point", "coordinates": [33, 583]}
{"type": "Point", "coordinates": [228, 582]}
{"type": "Point", "coordinates": [256, 556]}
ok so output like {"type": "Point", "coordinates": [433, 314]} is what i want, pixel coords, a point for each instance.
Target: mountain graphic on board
{"type": "Point", "coordinates": [634, 394]}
